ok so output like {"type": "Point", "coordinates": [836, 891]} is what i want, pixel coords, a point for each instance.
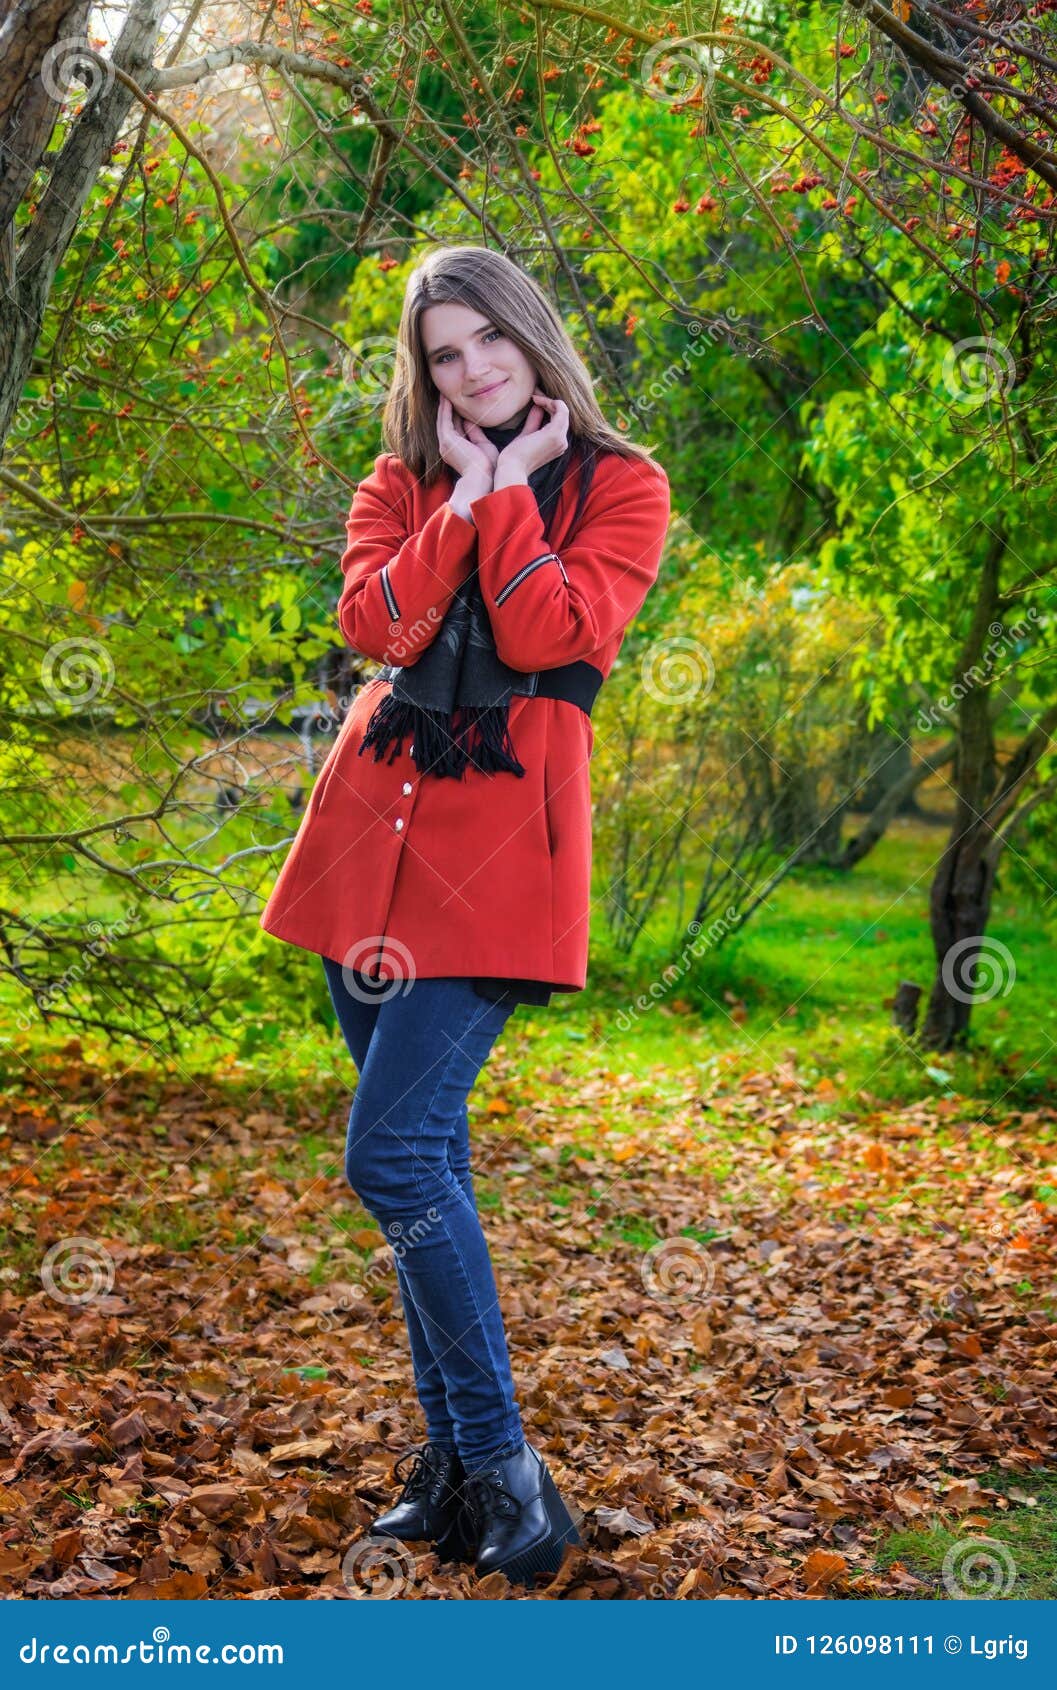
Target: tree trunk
{"type": "Point", "coordinates": [895, 799]}
{"type": "Point", "coordinates": [38, 44]}
{"type": "Point", "coordinates": [960, 905]}
{"type": "Point", "coordinates": [960, 895]}
{"type": "Point", "coordinates": [893, 759]}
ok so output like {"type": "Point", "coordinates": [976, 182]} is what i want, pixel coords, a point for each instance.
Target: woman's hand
{"type": "Point", "coordinates": [463, 446]}
{"type": "Point", "coordinates": [544, 435]}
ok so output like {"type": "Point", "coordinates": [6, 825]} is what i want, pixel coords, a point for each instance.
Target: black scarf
{"type": "Point", "coordinates": [453, 701]}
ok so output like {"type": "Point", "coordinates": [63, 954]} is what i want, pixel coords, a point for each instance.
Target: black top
{"type": "Point", "coordinates": [497, 990]}
{"type": "Point", "coordinates": [514, 991]}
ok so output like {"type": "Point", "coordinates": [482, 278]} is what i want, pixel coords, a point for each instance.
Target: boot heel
{"type": "Point", "coordinates": [547, 1555]}
{"type": "Point", "coordinates": [563, 1526]}
{"type": "Point", "coordinates": [525, 1539]}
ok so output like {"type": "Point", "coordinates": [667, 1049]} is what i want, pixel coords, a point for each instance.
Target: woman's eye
{"type": "Point", "coordinates": [491, 334]}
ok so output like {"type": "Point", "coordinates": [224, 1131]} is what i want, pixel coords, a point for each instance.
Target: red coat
{"type": "Point", "coordinates": [401, 874]}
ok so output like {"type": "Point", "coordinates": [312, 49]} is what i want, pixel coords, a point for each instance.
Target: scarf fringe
{"type": "Point", "coordinates": [477, 736]}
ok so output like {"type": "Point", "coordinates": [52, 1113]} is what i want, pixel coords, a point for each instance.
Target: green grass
{"type": "Point", "coordinates": [805, 981]}
{"type": "Point", "coordinates": [810, 974]}
{"type": "Point", "coordinates": [1019, 1548]}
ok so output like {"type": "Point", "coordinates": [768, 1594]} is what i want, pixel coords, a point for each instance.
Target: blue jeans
{"type": "Point", "coordinates": [407, 1157]}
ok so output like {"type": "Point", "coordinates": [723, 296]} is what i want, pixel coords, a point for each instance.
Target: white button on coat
{"type": "Point", "coordinates": [399, 822]}
{"type": "Point", "coordinates": [407, 786]}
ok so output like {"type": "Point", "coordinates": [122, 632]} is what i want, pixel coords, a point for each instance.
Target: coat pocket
{"type": "Point", "coordinates": [549, 819]}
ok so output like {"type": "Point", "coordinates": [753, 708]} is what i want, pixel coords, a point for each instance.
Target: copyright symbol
{"type": "Point", "coordinates": [953, 1645]}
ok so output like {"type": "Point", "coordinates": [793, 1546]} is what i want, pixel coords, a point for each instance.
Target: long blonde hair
{"type": "Point", "coordinates": [513, 301]}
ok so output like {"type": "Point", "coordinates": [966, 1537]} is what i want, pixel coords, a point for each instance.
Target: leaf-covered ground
{"type": "Point", "coordinates": [753, 1346]}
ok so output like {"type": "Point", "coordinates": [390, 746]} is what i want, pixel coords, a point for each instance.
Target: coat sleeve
{"type": "Point", "coordinates": [547, 610]}
{"type": "Point", "coordinates": [397, 585]}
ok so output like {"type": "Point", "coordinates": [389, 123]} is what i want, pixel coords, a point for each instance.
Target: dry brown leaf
{"type": "Point", "coordinates": [823, 1567]}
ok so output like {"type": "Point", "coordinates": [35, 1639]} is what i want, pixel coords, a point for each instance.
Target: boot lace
{"type": "Point", "coordinates": [424, 1477]}
{"type": "Point", "coordinates": [485, 1500]}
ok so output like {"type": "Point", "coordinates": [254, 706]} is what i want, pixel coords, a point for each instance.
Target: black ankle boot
{"type": "Point", "coordinates": [519, 1523]}
{"type": "Point", "coordinates": [430, 1504]}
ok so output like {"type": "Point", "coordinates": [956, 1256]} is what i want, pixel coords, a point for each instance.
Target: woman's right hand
{"type": "Point", "coordinates": [464, 447]}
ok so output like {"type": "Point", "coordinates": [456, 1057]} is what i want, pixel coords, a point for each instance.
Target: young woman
{"type": "Point", "coordinates": [495, 557]}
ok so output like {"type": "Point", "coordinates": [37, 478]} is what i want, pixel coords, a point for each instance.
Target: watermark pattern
{"type": "Point", "coordinates": [978, 1568]}
{"type": "Point", "coordinates": [978, 368]}
{"type": "Point", "coordinates": [77, 1270]}
{"type": "Point", "coordinates": [77, 671]}
{"type": "Point", "coordinates": [407, 638]}
{"type": "Point", "coordinates": [377, 950]}
{"type": "Point", "coordinates": [390, 47]}
{"type": "Point", "coordinates": [1008, 1242]}
{"type": "Point", "coordinates": [381, 1265]}
{"type": "Point", "coordinates": [977, 969]}
{"type": "Point", "coordinates": [678, 74]}
{"type": "Point", "coordinates": [676, 669]}
{"type": "Point", "coordinates": [370, 369]}
{"type": "Point", "coordinates": [381, 1567]}
{"type": "Point", "coordinates": [74, 59]}
{"type": "Point", "coordinates": [105, 331]}
{"type": "Point", "coordinates": [678, 1268]}
{"type": "Point", "coordinates": [396, 1231]}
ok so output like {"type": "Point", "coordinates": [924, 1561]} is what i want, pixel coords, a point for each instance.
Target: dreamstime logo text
{"type": "Point", "coordinates": [705, 938]}
{"type": "Point", "coordinates": [401, 1238]}
{"type": "Point", "coordinates": [102, 936]}
{"type": "Point", "coordinates": [103, 333]}
{"type": "Point", "coordinates": [160, 1651]}
{"type": "Point", "coordinates": [701, 338]}
{"type": "Point", "coordinates": [980, 673]}
{"type": "Point", "coordinates": [1016, 1235]}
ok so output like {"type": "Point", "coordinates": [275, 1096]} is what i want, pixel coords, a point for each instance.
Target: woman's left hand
{"type": "Point", "coordinates": [540, 440]}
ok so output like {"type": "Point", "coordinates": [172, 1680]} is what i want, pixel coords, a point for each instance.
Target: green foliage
{"type": "Point", "coordinates": [724, 742]}
{"type": "Point", "coordinates": [833, 347]}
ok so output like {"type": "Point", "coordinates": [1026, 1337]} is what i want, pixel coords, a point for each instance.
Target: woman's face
{"type": "Point", "coordinates": [465, 355]}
